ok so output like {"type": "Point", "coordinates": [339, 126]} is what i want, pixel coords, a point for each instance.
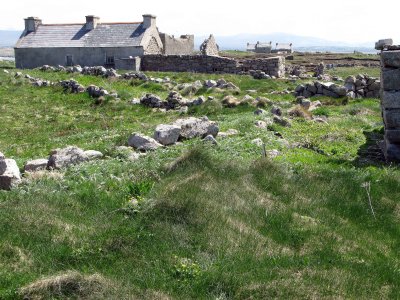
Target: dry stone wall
{"type": "Point", "coordinates": [273, 66]}
{"type": "Point", "coordinates": [390, 100]}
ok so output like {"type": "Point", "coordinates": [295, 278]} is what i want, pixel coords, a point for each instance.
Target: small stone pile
{"type": "Point", "coordinates": [94, 71]}
{"type": "Point", "coordinates": [173, 101]}
{"type": "Point", "coordinates": [258, 74]}
{"type": "Point", "coordinates": [135, 75]}
{"type": "Point", "coordinates": [72, 86]}
{"type": "Point", "coordinates": [359, 86]}
{"type": "Point", "coordinates": [390, 101]}
{"type": "Point", "coordinates": [99, 71]}
{"type": "Point", "coordinates": [221, 84]}
{"type": "Point", "coordinates": [59, 158]}
{"type": "Point", "coordinates": [320, 70]}
{"type": "Point", "coordinates": [169, 134]}
{"type": "Point", "coordinates": [96, 92]}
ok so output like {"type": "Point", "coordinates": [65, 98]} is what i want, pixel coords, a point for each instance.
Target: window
{"type": "Point", "coordinates": [69, 60]}
{"type": "Point", "coordinates": [110, 60]}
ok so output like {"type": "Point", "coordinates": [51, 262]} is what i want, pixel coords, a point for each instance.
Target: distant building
{"type": "Point", "coordinates": [251, 47]}
{"type": "Point", "coordinates": [283, 48]}
{"type": "Point", "coordinates": [259, 47]}
{"type": "Point", "coordinates": [116, 45]}
{"type": "Point", "coordinates": [267, 48]}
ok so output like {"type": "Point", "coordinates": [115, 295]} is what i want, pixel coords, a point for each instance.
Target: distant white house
{"type": "Point", "coordinates": [260, 47]}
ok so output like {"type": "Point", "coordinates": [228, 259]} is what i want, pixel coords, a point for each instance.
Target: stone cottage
{"type": "Point", "coordinates": [90, 44]}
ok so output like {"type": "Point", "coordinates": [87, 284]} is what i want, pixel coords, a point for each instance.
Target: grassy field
{"type": "Point", "coordinates": [211, 222]}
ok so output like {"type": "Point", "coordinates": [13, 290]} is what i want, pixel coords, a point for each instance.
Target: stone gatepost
{"type": "Point", "coordinates": [390, 97]}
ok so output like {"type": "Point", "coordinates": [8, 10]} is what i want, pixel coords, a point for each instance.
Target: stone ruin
{"type": "Point", "coordinates": [390, 97]}
{"type": "Point", "coordinates": [210, 47]}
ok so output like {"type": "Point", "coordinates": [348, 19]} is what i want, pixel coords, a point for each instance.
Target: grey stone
{"type": "Point", "coordinates": [391, 79]}
{"type": "Point", "coordinates": [392, 135]}
{"type": "Point", "coordinates": [142, 142]}
{"type": "Point", "coordinates": [260, 124]}
{"type": "Point", "coordinates": [272, 153]}
{"type": "Point", "coordinates": [380, 45]}
{"type": "Point", "coordinates": [151, 100]}
{"type": "Point", "coordinates": [210, 83]}
{"type": "Point", "coordinates": [391, 118]}
{"type": "Point", "coordinates": [71, 155]}
{"type": "Point", "coordinates": [196, 127]}
{"type": "Point", "coordinates": [339, 90]}
{"type": "Point", "coordinates": [282, 121]}
{"type": "Point", "coordinates": [9, 174]}
{"type": "Point", "coordinates": [351, 79]}
{"type": "Point", "coordinates": [350, 87]}
{"type": "Point", "coordinates": [127, 152]}
{"type": "Point", "coordinates": [306, 104]}
{"type": "Point", "coordinates": [275, 110]}
{"type": "Point", "coordinates": [391, 59]}
{"type": "Point", "coordinates": [210, 139]}
{"type": "Point", "coordinates": [390, 99]}
{"type": "Point", "coordinates": [134, 101]}
{"type": "Point", "coordinates": [259, 111]}
{"type": "Point", "coordinates": [93, 154]}
{"type": "Point", "coordinates": [167, 134]}
{"type": "Point", "coordinates": [257, 142]}
{"type": "Point", "coordinates": [227, 133]}
{"type": "Point", "coordinates": [392, 152]}
{"type": "Point", "coordinates": [36, 165]}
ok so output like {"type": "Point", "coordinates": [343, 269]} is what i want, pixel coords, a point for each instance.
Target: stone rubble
{"type": "Point", "coordinates": [360, 86]}
{"type": "Point", "coordinates": [143, 143]}
{"type": "Point", "coordinates": [9, 173]}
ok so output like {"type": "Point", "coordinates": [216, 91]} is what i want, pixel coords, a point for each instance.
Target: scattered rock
{"type": "Point", "coordinates": [167, 134]}
{"type": "Point", "coordinates": [227, 133]}
{"type": "Point", "coordinates": [272, 153]}
{"type": "Point", "coordinates": [230, 101]}
{"type": "Point", "coordinates": [9, 174]}
{"type": "Point", "coordinates": [36, 165]}
{"type": "Point", "coordinates": [275, 110]}
{"type": "Point", "coordinates": [62, 158]}
{"type": "Point", "coordinates": [143, 143]}
{"type": "Point", "coordinates": [282, 121]}
{"type": "Point", "coordinates": [93, 154]}
{"type": "Point", "coordinates": [210, 139]}
{"type": "Point", "coordinates": [151, 100]}
{"type": "Point", "coordinates": [134, 101]}
{"type": "Point", "coordinates": [196, 127]}
{"type": "Point", "coordinates": [261, 124]}
{"type": "Point", "coordinates": [257, 142]}
{"type": "Point", "coordinates": [259, 112]}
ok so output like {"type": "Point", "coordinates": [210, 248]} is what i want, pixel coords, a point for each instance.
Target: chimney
{"type": "Point", "coordinates": [149, 21]}
{"type": "Point", "coordinates": [91, 22]}
{"type": "Point", "coordinates": [32, 23]}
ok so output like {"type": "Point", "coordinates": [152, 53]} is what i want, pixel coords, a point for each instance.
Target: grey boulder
{"type": "Point", "coordinates": [167, 134]}
{"type": "Point", "coordinates": [62, 158]}
{"type": "Point", "coordinates": [196, 127]}
{"type": "Point", "coordinates": [9, 174]}
{"type": "Point", "coordinates": [36, 165]}
{"type": "Point", "coordinates": [142, 142]}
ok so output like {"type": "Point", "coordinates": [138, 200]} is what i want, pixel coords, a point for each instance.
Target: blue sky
{"type": "Point", "coordinates": [339, 20]}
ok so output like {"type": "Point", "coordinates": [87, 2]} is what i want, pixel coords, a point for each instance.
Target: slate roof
{"type": "Point", "coordinates": [251, 46]}
{"type": "Point", "coordinates": [263, 45]}
{"type": "Point", "coordinates": [76, 35]}
{"type": "Point", "coordinates": [283, 46]}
